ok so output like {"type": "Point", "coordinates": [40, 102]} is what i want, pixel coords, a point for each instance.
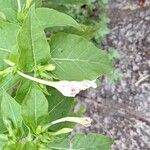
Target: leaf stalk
{"type": "Point", "coordinates": [85, 121]}
{"type": "Point", "coordinates": [19, 5]}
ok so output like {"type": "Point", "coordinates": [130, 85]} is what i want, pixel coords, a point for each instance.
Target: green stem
{"type": "Point", "coordinates": [45, 82]}
{"type": "Point", "coordinates": [61, 131]}
{"type": "Point", "coordinates": [85, 121]}
{"type": "Point", "coordinates": [19, 5]}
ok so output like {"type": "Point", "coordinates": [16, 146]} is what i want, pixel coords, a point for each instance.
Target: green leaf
{"type": "Point", "coordinates": [23, 89]}
{"type": "Point", "coordinates": [91, 141]}
{"type": "Point", "coordinates": [60, 144]}
{"type": "Point", "coordinates": [29, 146]}
{"type": "Point", "coordinates": [77, 59]}
{"type": "Point", "coordinates": [38, 3]}
{"type": "Point", "coordinates": [7, 40]}
{"type": "Point", "coordinates": [2, 16]}
{"type": "Point", "coordinates": [8, 4]}
{"type": "Point", "coordinates": [2, 126]}
{"type": "Point", "coordinates": [8, 82]}
{"type": "Point", "coordinates": [56, 6]}
{"type": "Point", "coordinates": [33, 46]}
{"type": "Point", "coordinates": [83, 142]}
{"type": "Point", "coordinates": [10, 15]}
{"type": "Point", "coordinates": [52, 18]}
{"type": "Point", "coordinates": [11, 110]}
{"type": "Point", "coordinates": [9, 8]}
{"type": "Point", "coordinates": [18, 146]}
{"type": "Point", "coordinates": [2, 143]}
{"type": "Point", "coordinates": [88, 31]}
{"type": "Point", "coordinates": [59, 106]}
{"type": "Point", "coordinates": [34, 108]}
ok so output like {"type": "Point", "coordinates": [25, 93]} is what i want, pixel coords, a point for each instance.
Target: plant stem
{"type": "Point", "coordinates": [85, 121]}
{"type": "Point", "coordinates": [61, 131]}
{"type": "Point", "coordinates": [45, 82]}
{"type": "Point", "coordinates": [67, 88]}
{"type": "Point", "coordinates": [19, 5]}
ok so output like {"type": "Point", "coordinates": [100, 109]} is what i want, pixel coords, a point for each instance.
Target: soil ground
{"type": "Point", "coordinates": [122, 110]}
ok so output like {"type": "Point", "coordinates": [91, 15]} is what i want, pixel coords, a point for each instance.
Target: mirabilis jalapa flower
{"type": "Point", "coordinates": [72, 88]}
{"type": "Point", "coordinates": [67, 88]}
{"type": "Point", "coordinates": [85, 121]}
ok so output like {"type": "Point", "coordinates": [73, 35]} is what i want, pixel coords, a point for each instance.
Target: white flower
{"type": "Point", "coordinates": [67, 88]}
{"type": "Point", "coordinates": [85, 121]}
{"type": "Point", "coordinates": [72, 88]}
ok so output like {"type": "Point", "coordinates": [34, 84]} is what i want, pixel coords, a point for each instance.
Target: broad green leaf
{"type": "Point", "coordinates": [13, 4]}
{"type": "Point", "coordinates": [34, 108]}
{"type": "Point", "coordinates": [91, 141]}
{"type": "Point", "coordinates": [60, 144]}
{"type": "Point", "coordinates": [38, 3]}
{"type": "Point", "coordinates": [83, 142]}
{"type": "Point", "coordinates": [2, 16]}
{"type": "Point", "coordinates": [27, 146]}
{"type": "Point", "coordinates": [2, 143]}
{"type": "Point", "coordinates": [10, 8]}
{"type": "Point", "coordinates": [8, 33]}
{"type": "Point", "coordinates": [9, 82]}
{"type": "Point", "coordinates": [8, 4]}
{"type": "Point", "coordinates": [2, 126]}
{"type": "Point", "coordinates": [56, 6]}
{"type": "Point", "coordinates": [59, 106]}
{"type": "Point", "coordinates": [52, 18]}
{"type": "Point", "coordinates": [10, 14]}
{"type": "Point", "coordinates": [11, 147]}
{"type": "Point", "coordinates": [23, 89]}
{"type": "Point", "coordinates": [11, 110]}
{"type": "Point", "coordinates": [77, 59]}
{"type": "Point", "coordinates": [88, 31]}
{"type": "Point", "coordinates": [33, 46]}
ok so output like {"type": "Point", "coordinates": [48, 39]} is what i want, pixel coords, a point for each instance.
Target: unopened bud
{"type": "Point", "coordinates": [49, 67]}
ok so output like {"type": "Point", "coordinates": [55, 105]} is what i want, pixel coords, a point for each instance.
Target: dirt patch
{"type": "Point", "coordinates": [122, 111]}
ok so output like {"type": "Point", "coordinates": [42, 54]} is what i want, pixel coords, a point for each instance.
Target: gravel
{"type": "Point", "coordinates": [122, 110]}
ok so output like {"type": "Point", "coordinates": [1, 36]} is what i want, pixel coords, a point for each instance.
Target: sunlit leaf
{"type": "Point", "coordinates": [83, 142]}
{"type": "Point", "coordinates": [33, 46]}
{"type": "Point", "coordinates": [8, 33]}
{"type": "Point", "coordinates": [11, 110]}
{"type": "Point", "coordinates": [78, 59]}
{"type": "Point", "coordinates": [52, 18]}
{"type": "Point", "coordinates": [34, 108]}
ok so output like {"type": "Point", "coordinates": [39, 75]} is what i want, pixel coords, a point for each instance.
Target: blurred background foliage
{"type": "Point", "coordinates": [92, 13]}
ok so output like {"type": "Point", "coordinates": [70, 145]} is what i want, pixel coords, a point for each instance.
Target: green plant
{"type": "Point", "coordinates": [92, 13]}
{"type": "Point", "coordinates": [40, 73]}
